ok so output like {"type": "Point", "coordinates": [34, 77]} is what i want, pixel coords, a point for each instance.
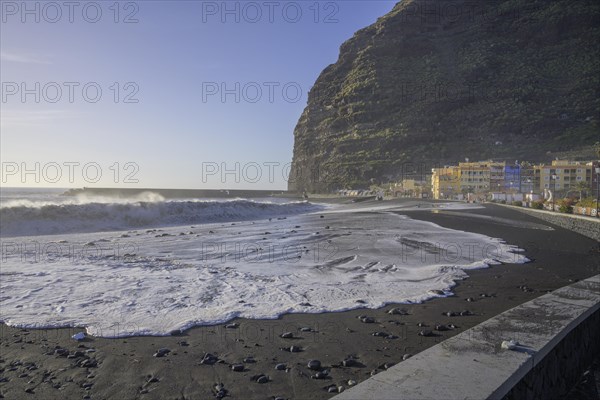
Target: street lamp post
{"type": "Point", "coordinates": [553, 178]}
{"type": "Point", "coordinates": [597, 189]}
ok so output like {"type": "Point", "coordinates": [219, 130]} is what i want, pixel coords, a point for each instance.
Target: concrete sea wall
{"type": "Point", "coordinates": [555, 337]}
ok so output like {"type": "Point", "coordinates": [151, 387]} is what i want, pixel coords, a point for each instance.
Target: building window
{"type": "Point", "coordinates": [579, 178]}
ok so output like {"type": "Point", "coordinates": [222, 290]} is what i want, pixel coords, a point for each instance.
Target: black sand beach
{"type": "Point", "coordinates": [32, 364]}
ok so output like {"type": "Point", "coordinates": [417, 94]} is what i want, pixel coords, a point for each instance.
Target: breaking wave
{"type": "Point", "coordinates": [19, 219]}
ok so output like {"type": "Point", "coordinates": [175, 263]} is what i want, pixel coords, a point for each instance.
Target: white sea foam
{"type": "Point", "coordinates": [150, 282]}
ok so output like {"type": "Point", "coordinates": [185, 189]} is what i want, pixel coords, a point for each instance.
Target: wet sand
{"type": "Point", "coordinates": [30, 366]}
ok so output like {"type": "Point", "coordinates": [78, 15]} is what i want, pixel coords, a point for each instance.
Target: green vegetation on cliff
{"type": "Point", "coordinates": [433, 82]}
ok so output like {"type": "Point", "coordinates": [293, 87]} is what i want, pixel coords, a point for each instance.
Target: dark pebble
{"type": "Point", "coordinates": [450, 314]}
{"type": "Point", "coordinates": [61, 352]}
{"type": "Point", "coordinates": [280, 367]}
{"type": "Point", "coordinates": [320, 375]}
{"type": "Point", "coordinates": [425, 333]}
{"type": "Point", "coordinates": [237, 367]}
{"type": "Point", "coordinates": [162, 352]}
{"type": "Point", "coordinates": [314, 364]}
{"type": "Point", "coordinates": [287, 335]}
{"type": "Point", "coordinates": [209, 359]}
{"type": "Point", "coordinates": [91, 363]}
{"type": "Point", "coordinates": [349, 362]}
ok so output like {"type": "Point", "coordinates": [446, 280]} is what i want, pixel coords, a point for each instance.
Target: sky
{"type": "Point", "coordinates": [162, 94]}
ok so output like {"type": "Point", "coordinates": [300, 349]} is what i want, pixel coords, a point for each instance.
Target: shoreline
{"type": "Point", "coordinates": [126, 367]}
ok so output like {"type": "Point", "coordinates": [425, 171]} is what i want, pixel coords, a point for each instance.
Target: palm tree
{"type": "Point", "coordinates": [581, 186]}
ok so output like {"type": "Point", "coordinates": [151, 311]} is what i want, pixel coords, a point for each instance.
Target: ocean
{"type": "Point", "coordinates": [147, 265]}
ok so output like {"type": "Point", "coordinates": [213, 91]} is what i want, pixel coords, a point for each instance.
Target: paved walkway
{"type": "Point", "coordinates": [472, 364]}
{"type": "Point", "coordinates": [547, 212]}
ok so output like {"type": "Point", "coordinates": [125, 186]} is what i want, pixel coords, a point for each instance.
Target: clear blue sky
{"type": "Point", "coordinates": [176, 56]}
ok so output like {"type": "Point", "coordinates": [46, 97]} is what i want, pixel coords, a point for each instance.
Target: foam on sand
{"type": "Point", "coordinates": [150, 282]}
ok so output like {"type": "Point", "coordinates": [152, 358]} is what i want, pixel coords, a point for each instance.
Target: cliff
{"type": "Point", "coordinates": [434, 82]}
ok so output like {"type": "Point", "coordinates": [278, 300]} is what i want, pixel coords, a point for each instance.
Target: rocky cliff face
{"type": "Point", "coordinates": [434, 82]}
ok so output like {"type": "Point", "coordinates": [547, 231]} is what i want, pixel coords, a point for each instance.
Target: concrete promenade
{"type": "Point", "coordinates": [473, 364]}
{"type": "Point", "coordinates": [584, 225]}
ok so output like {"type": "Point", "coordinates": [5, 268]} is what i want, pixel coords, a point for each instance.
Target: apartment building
{"type": "Point", "coordinates": [445, 182]}
{"type": "Point", "coordinates": [562, 175]}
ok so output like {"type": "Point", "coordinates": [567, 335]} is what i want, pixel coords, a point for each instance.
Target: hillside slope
{"type": "Point", "coordinates": [434, 82]}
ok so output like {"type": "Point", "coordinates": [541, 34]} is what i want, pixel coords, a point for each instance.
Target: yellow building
{"type": "Point", "coordinates": [445, 182]}
{"type": "Point", "coordinates": [483, 176]}
{"type": "Point", "coordinates": [409, 184]}
{"type": "Point", "coordinates": [412, 188]}
{"type": "Point", "coordinates": [562, 175]}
